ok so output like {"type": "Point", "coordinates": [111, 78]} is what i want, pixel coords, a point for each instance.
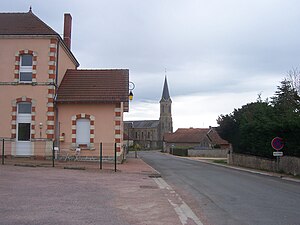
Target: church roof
{"type": "Point", "coordinates": [165, 95]}
{"type": "Point", "coordinates": [143, 123]}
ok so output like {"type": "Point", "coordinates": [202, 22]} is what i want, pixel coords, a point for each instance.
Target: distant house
{"type": "Point", "coordinates": [195, 138]}
{"type": "Point", "coordinates": [45, 97]}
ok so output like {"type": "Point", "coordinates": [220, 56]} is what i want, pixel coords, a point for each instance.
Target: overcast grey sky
{"type": "Point", "coordinates": [219, 54]}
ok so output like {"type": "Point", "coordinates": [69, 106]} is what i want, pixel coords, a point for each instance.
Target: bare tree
{"type": "Point", "coordinates": [294, 78]}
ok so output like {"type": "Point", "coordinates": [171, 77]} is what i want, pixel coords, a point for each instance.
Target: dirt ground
{"type": "Point", "coordinates": [46, 195]}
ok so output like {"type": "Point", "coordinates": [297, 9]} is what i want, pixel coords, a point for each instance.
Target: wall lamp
{"type": "Point", "coordinates": [131, 87]}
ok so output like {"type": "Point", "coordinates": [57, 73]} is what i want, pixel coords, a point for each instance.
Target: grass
{"type": "Point", "coordinates": [221, 161]}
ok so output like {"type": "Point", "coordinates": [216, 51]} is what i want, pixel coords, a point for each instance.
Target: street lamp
{"type": "Point", "coordinates": [131, 87]}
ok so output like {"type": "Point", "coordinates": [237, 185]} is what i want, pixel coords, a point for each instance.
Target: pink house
{"type": "Point", "coordinates": [45, 97]}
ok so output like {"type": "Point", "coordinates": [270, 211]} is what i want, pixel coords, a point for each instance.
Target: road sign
{"type": "Point", "coordinates": [277, 143]}
{"type": "Point", "coordinates": [277, 153]}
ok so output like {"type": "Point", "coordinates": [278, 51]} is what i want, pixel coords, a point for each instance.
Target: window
{"type": "Point", "coordinates": [24, 108]}
{"type": "Point", "coordinates": [23, 131]}
{"type": "Point", "coordinates": [83, 132]}
{"type": "Point", "coordinates": [26, 68]}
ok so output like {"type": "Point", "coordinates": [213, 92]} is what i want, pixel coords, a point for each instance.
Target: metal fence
{"type": "Point", "coordinates": [45, 152]}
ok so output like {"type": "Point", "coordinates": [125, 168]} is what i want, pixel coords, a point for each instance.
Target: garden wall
{"type": "Point", "coordinates": [287, 164]}
{"type": "Point", "coordinates": [214, 153]}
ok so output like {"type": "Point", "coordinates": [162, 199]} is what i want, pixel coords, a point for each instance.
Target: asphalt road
{"type": "Point", "coordinates": [221, 195]}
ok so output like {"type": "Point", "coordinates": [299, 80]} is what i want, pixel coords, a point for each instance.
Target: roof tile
{"type": "Point", "coordinates": [23, 24]}
{"type": "Point", "coordinates": [94, 86]}
{"type": "Point", "coordinates": [194, 135]}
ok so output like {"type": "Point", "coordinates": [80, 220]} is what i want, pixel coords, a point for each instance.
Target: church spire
{"type": "Point", "coordinates": [165, 95]}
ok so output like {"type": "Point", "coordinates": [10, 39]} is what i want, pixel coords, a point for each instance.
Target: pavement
{"type": "Point", "coordinates": [134, 195]}
{"type": "Point", "coordinates": [46, 195]}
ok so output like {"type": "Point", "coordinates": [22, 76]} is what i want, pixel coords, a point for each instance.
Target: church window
{"type": "Point", "coordinates": [136, 135]}
{"type": "Point", "coordinates": [148, 134]}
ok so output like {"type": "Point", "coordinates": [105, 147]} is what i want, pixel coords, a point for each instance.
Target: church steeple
{"type": "Point", "coordinates": [165, 95]}
{"type": "Point", "coordinates": [165, 119]}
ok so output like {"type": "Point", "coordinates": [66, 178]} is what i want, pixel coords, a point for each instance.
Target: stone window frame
{"type": "Point", "coordinates": [18, 65]}
{"type": "Point", "coordinates": [92, 129]}
{"type": "Point", "coordinates": [14, 116]}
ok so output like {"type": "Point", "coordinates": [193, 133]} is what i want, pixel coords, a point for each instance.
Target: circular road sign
{"type": "Point", "coordinates": [277, 143]}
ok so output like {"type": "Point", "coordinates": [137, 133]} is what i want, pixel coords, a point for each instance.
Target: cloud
{"type": "Point", "coordinates": [218, 54]}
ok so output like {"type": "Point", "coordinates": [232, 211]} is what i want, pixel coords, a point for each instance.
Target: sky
{"type": "Point", "coordinates": [217, 54]}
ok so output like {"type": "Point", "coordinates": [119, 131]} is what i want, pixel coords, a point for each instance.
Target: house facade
{"type": "Point", "coordinates": [35, 61]}
{"type": "Point", "coordinates": [194, 138]}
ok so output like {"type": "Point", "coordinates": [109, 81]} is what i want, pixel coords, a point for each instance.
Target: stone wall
{"type": "Point", "coordinates": [287, 164]}
{"type": "Point", "coordinates": [214, 153]}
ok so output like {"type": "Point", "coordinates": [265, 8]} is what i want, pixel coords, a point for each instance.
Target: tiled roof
{"type": "Point", "coordinates": [194, 135]}
{"type": "Point", "coordinates": [28, 24]}
{"type": "Point", "coordinates": [215, 138]}
{"type": "Point", "coordinates": [23, 24]}
{"type": "Point", "coordinates": [94, 86]}
{"type": "Point", "coordinates": [187, 135]}
{"type": "Point", "coordinates": [142, 124]}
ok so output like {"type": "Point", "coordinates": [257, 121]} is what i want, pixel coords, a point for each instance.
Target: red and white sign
{"type": "Point", "coordinates": [277, 143]}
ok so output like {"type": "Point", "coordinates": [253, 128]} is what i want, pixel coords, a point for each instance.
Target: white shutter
{"type": "Point", "coordinates": [83, 131]}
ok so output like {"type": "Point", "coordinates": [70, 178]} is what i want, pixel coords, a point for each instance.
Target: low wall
{"type": "Point", "coordinates": [214, 153]}
{"type": "Point", "coordinates": [287, 164]}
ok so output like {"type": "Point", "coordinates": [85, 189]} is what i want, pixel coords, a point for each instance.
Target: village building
{"type": "Point", "coordinates": [194, 138]}
{"type": "Point", "coordinates": [148, 134]}
{"type": "Point", "coordinates": [44, 97]}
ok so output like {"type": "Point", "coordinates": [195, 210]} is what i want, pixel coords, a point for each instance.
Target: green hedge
{"type": "Point", "coordinates": [180, 152]}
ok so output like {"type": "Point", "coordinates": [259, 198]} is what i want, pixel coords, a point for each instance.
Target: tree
{"type": "Point", "coordinates": [251, 128]}
{"type": "Point", "coordinates": [294, 79]}
{"type": "Point", "coordinates": [286, 99]}
{"type": "Point", "coordinates": [286, 103]}
{"type": "Point", "coordinates": [229, 129]}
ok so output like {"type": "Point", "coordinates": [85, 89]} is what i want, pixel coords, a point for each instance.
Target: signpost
{"type": "Point", "coordinates": [277, 144]}
{"type": "Point", "coordinates": [278, 154]}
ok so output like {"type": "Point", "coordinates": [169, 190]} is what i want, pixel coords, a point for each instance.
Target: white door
{"type": "Point", "coordinates": [23, 143]}
{"type": "Point", "coordinates": [83, 132]}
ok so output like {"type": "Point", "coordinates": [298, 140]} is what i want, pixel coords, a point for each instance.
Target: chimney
{"type": "Point", "coordinates": [67, 29]}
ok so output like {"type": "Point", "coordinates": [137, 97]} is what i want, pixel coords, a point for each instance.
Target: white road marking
{"type": "Point", "coordinates": [184, 212]}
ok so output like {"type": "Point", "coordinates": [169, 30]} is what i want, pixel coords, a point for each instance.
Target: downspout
{"type": "Point", "coordinates": [57, 129]}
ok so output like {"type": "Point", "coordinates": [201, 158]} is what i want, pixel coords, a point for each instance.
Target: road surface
{"type": "Point", "coordinates": [226, 196]}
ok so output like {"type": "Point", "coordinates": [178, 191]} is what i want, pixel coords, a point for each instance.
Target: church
{"type": "Point", "coordinates": [148, 134]}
